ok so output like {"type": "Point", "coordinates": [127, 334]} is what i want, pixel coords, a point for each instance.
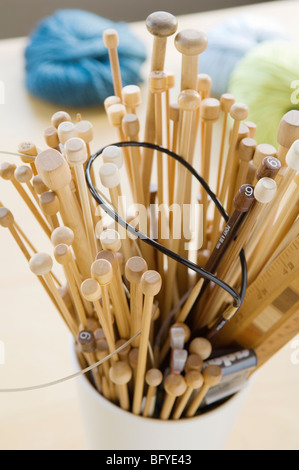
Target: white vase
{"type": "Point", "coordinates": [108, 427]}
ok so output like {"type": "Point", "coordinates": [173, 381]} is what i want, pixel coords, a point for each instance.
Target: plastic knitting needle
{"type": "Point", "coordinates": [175, 386]}
{"type": "Point", "coordinates": [7, 172]}
{"type": "Point", "coordinates": [111, 40]}
{"type": "Point", "coordinates": [212, 375]}
{"type": "Point", "coordinates": [135, 267]}
{"type": "Point", "coordinates": [41, 265]}
{"type": "Point", "coordinates": [76, 154]}
{"type": "Point", "coordinates": [161, 25]}
{"type": "Point", "coordinates": [121, 373]}
{"type": "Point", "coordinates": [153, 379]}
{"type": "Point", "coordinates": [131, 98]}
{"type": "Point", "coordinates": [50, 206]}
{"type": "Point", "coordinates": [87, 344]}
{"type": "Point", "coordinates": [190, 43]}
{"type": "Point", "coordinates": [91, 291]}
{"type": "Point", "coordinates": [61, 254]}
{"type": "Point", "coordinates": [56, 174]}
{"type": "Point", "coordinates": [194, 381]}
{"type": "Point", "coordinates": [150, 285]}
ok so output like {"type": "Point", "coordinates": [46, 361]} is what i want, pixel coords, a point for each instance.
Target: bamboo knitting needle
{"type": "Point", "coordinates": [226, 102]}
{"type": "Point", "coordinates": [41, 265]}
{"type": "Point", "coordinates": [121, 373]}
{"type": "Point", "coordinates": [51, 138]}
{"type": "Point", "coordinates": [24, 174]}
{"type": "Point", "coordinates": [150, 286]}
{"type": "Point", "coordinates": [153, 379]}
{"type": "Point", "coordinates": [134, 269]}
{"type": "Point", "coordinates": [246, 151]}
{"type": "Point", "coordinates": [194, 363]}
{"type": "Point", "coordinates": [119, 301]}
{"type": "Point", "coordinates": [39, 186]}
{"type": "Point", "coordinates": [261, 151]}
{"type": "Point", "coordinates": [124, 353]}
{"type": "Point", "coordinates": [131, 98]}
{"type": "Point", "coordinates": [76, 154]}
{"type": "Point", "coordinates": [7, 173]}
{"type": "Point", "coordinates": [59, 117]}
{"type": "Point", "coordinates": [28, 148]}
{"type": "Point", "coordinates": [170, 84]}
{"type": "Point", "coordinates": [111, 40]}
{"type": "Point", "coordinates": [102, 350]}
{"type": "Point", "coordinates": [61, 254]}
{"type": "Point", "coordinates": [84, 131]}
{"type": "Point", "coordinates": [194, 381]}
{"type": "Point", "coordinates": [50, 206]}
{"type": "Point", "coordinates": [202, 347]}
{"type": "Point", "coordinates": [175, 386]}
{"type": "Point", "coordinates": [161, 25]}
{"type": "Point", "coordinates": [56, 174]}
{"type": "Point", "coordinates": [87, 345]}
{"type": "Point", "coordinates": [102, 272]}
{"type": "Point", "coordinates": [212, 375]}
{"type": "Point", "coordinates": [174, 116]}
{"type": "Point", "coordinates": [252, 128]}
{"type": "Point", "coordinates": [190, 43]}
{"type": "Point", "coordinates": [91, 291]}
{"type": "Point", "coordinates": [66, 130]}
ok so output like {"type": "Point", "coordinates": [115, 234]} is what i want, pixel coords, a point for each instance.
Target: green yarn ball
{"type": "Point", "coordinates": [267, 81]}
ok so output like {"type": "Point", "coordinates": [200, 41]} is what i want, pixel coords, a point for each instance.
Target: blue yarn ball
{"type": "Point", "coordinates": [230, 41]}
{"type": "Point", "coordinates": [68, 64]}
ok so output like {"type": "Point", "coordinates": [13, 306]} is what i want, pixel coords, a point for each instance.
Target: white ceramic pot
{"type": "Point", "coordinates": [108, 427]}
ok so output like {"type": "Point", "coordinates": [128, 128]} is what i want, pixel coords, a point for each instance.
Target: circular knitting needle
{"type": "Point", "coordinates": [110, 39]}
{"type": "Point", "coordinates": [212, 375]}
{"type": "Point", "coordinates": [56, 174]}
{"type": "Point", "coordinates": [175, 386]}
{"type": "Point", "coordinates": [194, 381]}
{"type": "Point", "coordinates": [76, 154]}
{"type": "Point", "coordinates": [150, 285]}
{"type": "Point", "coordinates": [161, 25]}
{"type": "Point", "coordinates": [153, 379]}
{"type": "Point", "coordinates": [91, 291]}
{"type": "Point", "coordinates": [134, 269]}
{"type": "Point", "coordinates": [121, 373]}
{"type": "Point", "coordinates": [41, 265]}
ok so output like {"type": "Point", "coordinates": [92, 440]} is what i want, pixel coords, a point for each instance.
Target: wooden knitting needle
{"type": "Point", "coordinates": [161, 25]}
{"type": "Point", "coordinates": [174, 116]}
{"type": "Point", "coordinates": [51, 138]}
{"type": "Point", "coordinates": [175, 386]}
{"type": "Point", "coordinates": [212, 375]}
{"type": "Point", "coordinates": [41, 265]}
{"type": "Point", "coordinates": [87, 345]}
{"type": "Point", "coordinates": [50, 206]}
{"type": "Point", "coordinates": [190, 43]}
{"type": "Point", "coordinates": [246, 151]}
{"type": "Point", "coordinates": [124, 353]}
{"type": "Point", "coordinates": [102, 351]}
{"type": "Point", "coordinates": [135, 267]}
{"type": "Point", "coordinates": [23, 174]}
{"type": "Point", "coordinates": [121, 373]}
{"type": "Point", "coordinates": [261, 151]}
{"type": "Point", "coordinates": [110, 100]}
{"type": "Point", "coordinates": [226, 102]}
{"type": "Point", "coordinates": [119, 301]}
{"type": "Point", "coordinates": [131, 98]}
{"type": "Point", "coordinates": [252, 128]}
{"type": "Point", "coordinates": [210, 109]}
{"type": "Point", "coordinates": [84, 131]}
{"type": "Point", "coordinates": [102, 272]}
{"type": "Point", "coordinates": [153, 379]}
{"type": "Point", "coordinates": [150, 285]}
{"type": "Point", "coordinates": [194, 362]}
{"type": "Point", "coordinates": [202, 347]}
{"type": "Point", "coordinates": [66, 130]}
{"type": "Point", "coordinates": [59, 117]}
{"type": "Point", "coordinates": [111, 40]}
{"type": "Point", "coordinates": [61, 254]}
{"type": "Point", "coordinates": [133, 361]}
{"type": "Point", "coordinates": [7, 172]}
{"type": "Point", "coordinates": [56, 174]}
{"type": "Point", "coordinates": [39, 186]}
{"type": "Point", "coordinates": [170, 84]}
{"type": "Point", "coordinates": [204, 83]}
{"type": "Point", "coordinates": [28, 148]}
{"type": "Point", "coordinates": [194, 381]}
{"type": "Point", "coordinates": [76, 154]}
{"type": "Point", "coordinates": [178, 360]}
{"type": "Point", "coordinates": [91, 291]}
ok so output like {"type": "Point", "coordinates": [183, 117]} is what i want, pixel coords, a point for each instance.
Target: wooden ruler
{"type": "Point", "coordinates": [269, 314]}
